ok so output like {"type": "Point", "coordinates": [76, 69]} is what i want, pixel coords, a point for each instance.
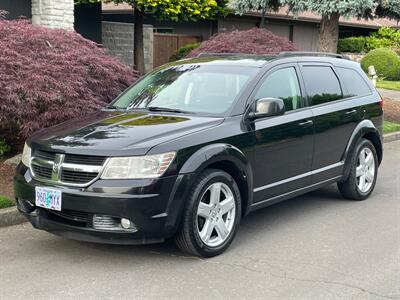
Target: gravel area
{"type": "Point", "coordinates": [6, 180]}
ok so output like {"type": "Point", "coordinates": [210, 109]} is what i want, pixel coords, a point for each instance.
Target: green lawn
{"type": "Point", "coordinates": [390, 127]}
{"type": "Point", "coordinates": [5, 202]}
{"type": "Point", "coordinates": [390, 85]}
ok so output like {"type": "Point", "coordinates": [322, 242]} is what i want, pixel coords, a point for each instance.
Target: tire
{"type": "Point", "coordinates": [352, 187]}
{"type": "Point", "coordinates": [202, 213]}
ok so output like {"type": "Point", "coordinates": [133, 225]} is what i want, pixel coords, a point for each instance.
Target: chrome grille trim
{"type": "Point", "coordinates": [58, 166]}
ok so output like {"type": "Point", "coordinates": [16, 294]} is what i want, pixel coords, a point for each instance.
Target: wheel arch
{"type": "Point", "coordinates": [227, 158]}
{"type": "Point", "coordinates": [365, 129]}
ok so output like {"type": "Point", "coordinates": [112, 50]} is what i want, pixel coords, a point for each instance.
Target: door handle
{"type": "Point", "coordinates": [351, 112]}
{"type": "Point", "coordinates": [306, 123]}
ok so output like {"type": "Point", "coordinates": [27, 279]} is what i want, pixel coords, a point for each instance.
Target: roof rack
{"type": "Point", "coordinates": [310, 53]}
{"type": "Point", "coordinates": [281, 54]}
{"type": "Point", "coordinates": [210, 54]}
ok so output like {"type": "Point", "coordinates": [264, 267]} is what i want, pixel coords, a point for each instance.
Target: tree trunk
{"type": "Point", "coordinates": [263, 14]}
{"type": "Point", "coordinates": [329, 33]}
{"type": "Point", "coordinates": [138, 45]}
{"type": "Point", "coordinates": [262, 23]}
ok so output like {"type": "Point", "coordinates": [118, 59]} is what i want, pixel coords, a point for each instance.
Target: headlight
{"type": "Point", "coordinates": [26, 156]}
{"type": "Point", "coordinates": [137, 167]}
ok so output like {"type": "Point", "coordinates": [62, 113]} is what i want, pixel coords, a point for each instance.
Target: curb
{"type": "Point", "coordinates": [391, 137]}
{"type": "Point", "coordinates": [11, 216]}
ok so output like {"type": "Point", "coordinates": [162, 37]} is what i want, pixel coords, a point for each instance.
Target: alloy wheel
{"type": "Point", "coordinates": [216, 214]}
{"type": "Point", "coordinates": [365, 171]}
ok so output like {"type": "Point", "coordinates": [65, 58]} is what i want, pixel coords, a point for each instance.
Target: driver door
{"type": "Point", "coordinates": [283, 144]}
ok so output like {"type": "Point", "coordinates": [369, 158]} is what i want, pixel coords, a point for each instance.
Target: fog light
{"type": "Point", "coordinates": [109, 223]}
{"type": "Point", "coordinates": [125, 223]}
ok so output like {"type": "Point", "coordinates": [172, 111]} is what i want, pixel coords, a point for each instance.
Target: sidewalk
{"type": "Point", "coordinates": [391, 94]}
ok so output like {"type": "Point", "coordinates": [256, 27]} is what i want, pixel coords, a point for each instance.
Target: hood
{"type": "Point", "coordinates": [118, 134]}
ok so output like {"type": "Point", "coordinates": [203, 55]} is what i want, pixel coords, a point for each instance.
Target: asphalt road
{"type": "Point", "coordinates": [318, 246]}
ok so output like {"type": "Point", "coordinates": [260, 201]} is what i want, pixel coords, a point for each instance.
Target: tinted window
{"type": "Point", "coordinates": [322, 84]}
{"type": "Point", "coordinates": [282, 84]}
{"type": "Point", "coordinates": [355, 84]}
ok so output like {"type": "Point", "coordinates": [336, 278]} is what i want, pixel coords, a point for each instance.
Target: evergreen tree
{"type": "Point", "coordinates": [331, 10]}
{"type": "Point", "coordinates": [263, 6]}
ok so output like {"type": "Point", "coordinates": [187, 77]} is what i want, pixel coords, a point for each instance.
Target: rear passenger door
{"type": "Point", "coordinates": [335, 118]}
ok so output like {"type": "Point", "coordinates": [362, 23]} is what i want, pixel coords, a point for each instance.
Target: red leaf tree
{"type": "Point", "coordinates": [48, 76]}
{"type": "Point", "coordinates": [253, 41]}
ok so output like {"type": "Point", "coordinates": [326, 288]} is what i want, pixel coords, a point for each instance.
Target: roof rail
{"type": "Point", "coordinates": [310, 53]}
{"type": "Point", "coordinates": [210, 54]}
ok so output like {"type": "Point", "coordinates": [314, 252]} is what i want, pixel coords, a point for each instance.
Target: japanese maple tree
{"type": "Point", "coordinates": [253, 41]}
{"type": "Point", "coordinates": [48, 76]}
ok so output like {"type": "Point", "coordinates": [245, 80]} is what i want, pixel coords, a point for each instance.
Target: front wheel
{"type": "Point", "coordinates": [212, 215]}
{"type": "Point", "coordinates": [363, 173]}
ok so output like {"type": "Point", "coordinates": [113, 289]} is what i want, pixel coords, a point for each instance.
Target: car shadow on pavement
{"type": "Point", "coordinates": [291, 213]}
{"type": "Point", "coordinates": [267, 220]}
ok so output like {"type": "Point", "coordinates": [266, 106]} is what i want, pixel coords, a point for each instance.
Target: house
{"type": "Point", "coordinates": [85, 19]}
{"type": "Point", "coordinates": [112, 26]}
{"type": "Point", "coordinates": [302, 30]}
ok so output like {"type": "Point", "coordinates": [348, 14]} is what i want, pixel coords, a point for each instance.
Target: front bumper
{"type": "Point", "coordinates": [153, 205]}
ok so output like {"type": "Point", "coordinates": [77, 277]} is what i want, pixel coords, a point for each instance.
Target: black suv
{"type": "Point", "coordinates": [196, 145]}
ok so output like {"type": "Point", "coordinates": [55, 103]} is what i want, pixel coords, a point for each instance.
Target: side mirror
{"type": "Point", "coordinates": [268, 107]}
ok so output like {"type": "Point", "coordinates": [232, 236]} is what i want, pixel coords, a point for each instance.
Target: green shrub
{"type": "Point", "coordinates": [4, 148]}
{"type": "Point", "coordinates": [376, 43]}
{"type": "Point", "coordinates": [385, 61]}
{"type": "Point", "coordinates": [352, 44]}
{"type": "Point", "coordinates": [183, 51]}
{"type": "Point", "coordinates": [388, 33]}
{"type": "Point", "coordinates": [385, 37]}
{"type": "Point", "coordinates": [5, 202]}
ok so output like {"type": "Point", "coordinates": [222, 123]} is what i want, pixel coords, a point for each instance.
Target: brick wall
{"type": "Point", "coordinates": [53, 13]}
{"type": "Point", "coordinates": [118, 40]}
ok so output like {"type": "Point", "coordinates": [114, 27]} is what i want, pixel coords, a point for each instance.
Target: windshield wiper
{"type": "Point", "coordinates": [166, 109]}
{"type": "Point", "coordinates": [112, 107]}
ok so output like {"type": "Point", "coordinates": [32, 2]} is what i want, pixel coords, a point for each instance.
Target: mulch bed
{"type": "Point", "coordinates": [6, 180]}
{"type": "Point", "coordinates": [392, 110]}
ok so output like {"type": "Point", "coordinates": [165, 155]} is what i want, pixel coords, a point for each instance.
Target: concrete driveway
{"type": "Point", "coordinates": [318, 246]}
{"type": "Point", "coordinates": [391, 94]}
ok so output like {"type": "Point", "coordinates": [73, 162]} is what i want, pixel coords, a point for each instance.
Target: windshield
{"type": "Point", "coordinates": [187, 88]}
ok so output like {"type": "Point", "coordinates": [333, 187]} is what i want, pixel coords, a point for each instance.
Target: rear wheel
{"type": "Point", "coordinates": [211, 216]}
{"type": "Point", "coordinates": [363, 173]}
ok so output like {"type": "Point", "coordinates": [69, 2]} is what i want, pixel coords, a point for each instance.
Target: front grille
{"type": "Point", "coordinates": [44, 155]}
{"type": "Point", "coordinates": [42, 172]}
{"type": "Point", "coordinates": [84, 160]}
{"type": "Point", "coordinates": [77, 177]}
{"type": "Point", "coordinates": [68, 169]}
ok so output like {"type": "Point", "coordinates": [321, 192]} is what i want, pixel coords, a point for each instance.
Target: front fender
{"type": "Point", "coordinates": [365, 127]}
{"type": "Point", "coordinates": [221, 152]}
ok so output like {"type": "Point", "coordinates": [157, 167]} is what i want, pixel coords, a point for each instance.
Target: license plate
{"type": "Point", "coordinates": [48, 198]}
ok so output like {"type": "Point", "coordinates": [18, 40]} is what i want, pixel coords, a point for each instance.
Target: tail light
{"type": "Point", "coordinates": [381, 103]}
